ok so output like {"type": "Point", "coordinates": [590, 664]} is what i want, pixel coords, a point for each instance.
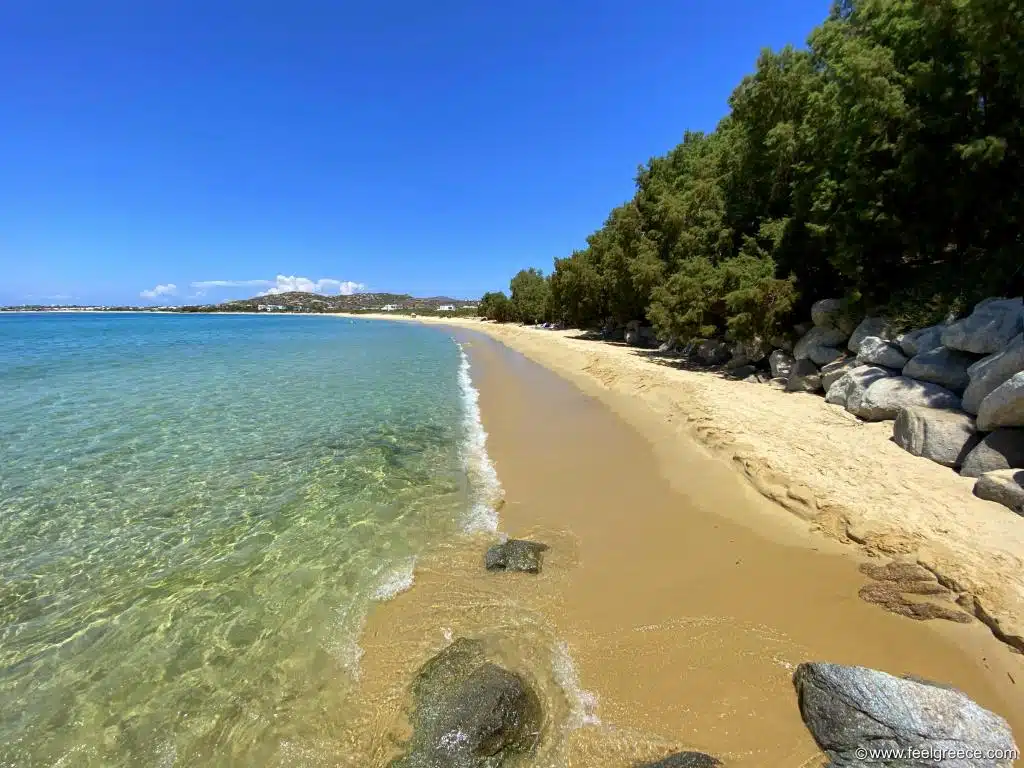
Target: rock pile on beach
{"type": "Point", "coordinates": [954, 391]}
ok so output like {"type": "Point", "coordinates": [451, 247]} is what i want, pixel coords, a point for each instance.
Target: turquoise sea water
{"type": "Point", "coordinates": [196, 513]}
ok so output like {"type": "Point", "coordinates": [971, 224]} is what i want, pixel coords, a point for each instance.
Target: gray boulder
{"type": "Point", "coordinates": [804, 377]}
{"type": "Point", "coordinates": [470, 713]}
{"type": "Point", "coordinates": [667, 346]}
{"type": "Point", "coordinates": [1003, 486]}
{"type": "Point", "coordinates": [849, 388]}
{"type": "Point", "coordinates": [778, 382]}
{"type": "Point", "coordinates": [752, 351]}
{"type": "Point", "coordinates": [883, 399]}
{"type": "Point", "coordinates": [945, 437]}
{"type": "Point", "coordinates": [826, 312]}
{"type": "Point", "coordinates": [990, 372]}
{"type": "Point", "coordinates": [945, 367]}
{"type": "Point", "coordinates": [1002, 449]}
{"type": "Point", "coordinates": [922, 340]}
{"type": "Point", "coordinates": [639, 335]}
{"type": "Point", "coordinates": [1004, 406]}
{"type": "Point", "coordinates": [781, 342]}
{"type": "Point", "coordinates": [833, 313]}
{"type": "Point", "coordinates": [824, 355]}
{"type": "Point", "coordinates": [515, 555]}
{"type": "Point", "coordinates": [683, 760]}
{"type": "Point", "coordinates": [810, 344]}
{"type": "Point", "coordinates": [848, 709]}
{"type": "Point", "coordinates": [781, 363]}
{"type": "Point", "coordinates": [831, 372]}
{"type": "Point", "coordinates": [869, 326]}
{"type": "Point", "coordinates": [742, 372]}
{"type": "Point", "coordinates": [988, 328]}
{"type": "Point", "coordinates": [712, 352]}
{"type": "Point", "coordinates": [876, 351]}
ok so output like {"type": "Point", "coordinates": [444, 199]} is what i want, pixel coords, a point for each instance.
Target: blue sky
{"type": "Point", "coordinates": [431, 148]}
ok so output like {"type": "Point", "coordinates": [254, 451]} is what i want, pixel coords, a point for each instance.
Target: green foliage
{"type": "Point", "coordinates": [884, 163]}
{"type": "Point", "coordinates": [496, 306]}
{"type": "Point", "coordinates": [531, 296]}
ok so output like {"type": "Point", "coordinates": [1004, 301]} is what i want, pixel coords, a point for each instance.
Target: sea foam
{"type": "Point", "coordinates": [484, 484]}
{"type": "Point", "coordinates": [583, 703]}
{"type": "Point", "coordinates": [396, 580]}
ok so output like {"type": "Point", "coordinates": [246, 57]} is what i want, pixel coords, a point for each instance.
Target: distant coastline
{"type": "Point", "coordinates": [292, 303]}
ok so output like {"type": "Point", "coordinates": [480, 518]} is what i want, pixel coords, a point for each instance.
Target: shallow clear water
{"type": "Point", "coordinates": [195, 515]}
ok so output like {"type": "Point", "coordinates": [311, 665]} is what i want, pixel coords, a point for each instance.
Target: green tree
{"type": "Point", "coordinates": [884, 162]}
{"type": "Point", "coordinates": [496, 306]}
{"type": "Point", "coordinates": [530, 296]}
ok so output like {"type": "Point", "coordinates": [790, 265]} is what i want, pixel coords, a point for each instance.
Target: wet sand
{"type": "Point", "coordinates": [674, 593]}
{"type": "Point", "coordinates": [842, 477]}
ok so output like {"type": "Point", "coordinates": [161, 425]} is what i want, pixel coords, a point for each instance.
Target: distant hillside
{"type": "Point", "coordinates": [297, 301]}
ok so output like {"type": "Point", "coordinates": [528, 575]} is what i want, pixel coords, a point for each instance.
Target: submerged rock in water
{"type": "Point", "coordinates": [851, 709]}
{"type": "Point", "coordinates": [683, 760]}
{"type": "Point", "coordinates": [470, 713]}
{"type": "Point", "coordinates": [515, 555]}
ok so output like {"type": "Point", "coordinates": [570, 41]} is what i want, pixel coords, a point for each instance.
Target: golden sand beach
{"type": "Point", "coordinates": [680, 591]}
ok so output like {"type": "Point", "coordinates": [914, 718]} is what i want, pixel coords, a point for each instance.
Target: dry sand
{"type": "Point", "coordinates": [845, 477]}
{"type": "Point", "coordinates": [679, 596]}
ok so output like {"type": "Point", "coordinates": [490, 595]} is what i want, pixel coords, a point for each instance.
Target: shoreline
{"type": "Point", "coordinates": [840, 477]}
{"type": "Point", "coordinates": [671, 609]}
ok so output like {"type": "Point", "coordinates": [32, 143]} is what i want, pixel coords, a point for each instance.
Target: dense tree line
{"type": "Point", "coordinates": [531, 300]}
{"type": "Point", "coordinates": [883, 163]}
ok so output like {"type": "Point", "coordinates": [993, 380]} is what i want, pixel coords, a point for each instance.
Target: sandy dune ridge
{"type": "Point", "coordinates": [845, 477]}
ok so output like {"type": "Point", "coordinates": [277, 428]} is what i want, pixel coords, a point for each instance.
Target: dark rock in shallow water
{"type": "Point", "coordinates": [470, 713]}
{"type": "Point", "coordinates": [515, 555]}
{"type": "Point", "coordinates": [683, 760]}
{"type": "Point", "coordinates": [848, 709]}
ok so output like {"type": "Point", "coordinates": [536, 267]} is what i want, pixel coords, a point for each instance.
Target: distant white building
{"type": "Point", "coordinates": [446, 308]}
{"type": "Point", "coordinates": [270, 308]}
{"type": "Point", "coordinates": [389, 308]}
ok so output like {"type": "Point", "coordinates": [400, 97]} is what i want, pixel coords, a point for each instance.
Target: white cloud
{"type": "Point", "coordinates": [287, 284]}
{"type": "Point", "coordinates": [164, 289]}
